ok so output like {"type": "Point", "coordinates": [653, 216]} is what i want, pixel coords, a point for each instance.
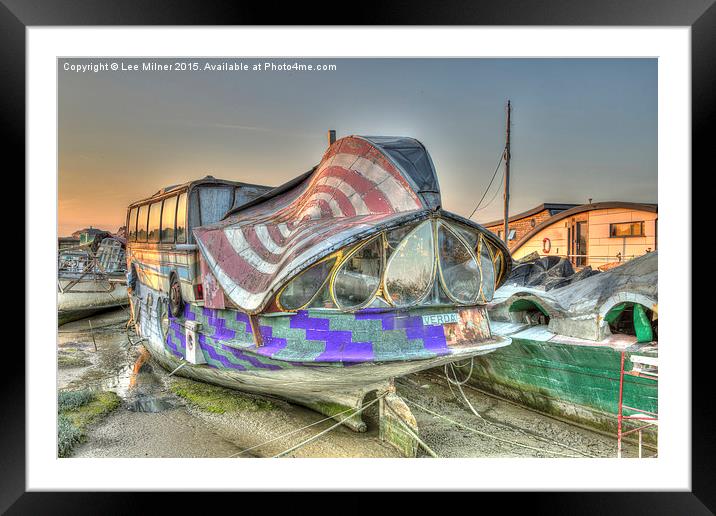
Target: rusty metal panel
{"type": "Point", "coordinates": [472, 326]}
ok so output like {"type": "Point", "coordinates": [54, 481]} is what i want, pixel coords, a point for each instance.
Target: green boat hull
{"type": "Point", "coordinates": [579, 383]}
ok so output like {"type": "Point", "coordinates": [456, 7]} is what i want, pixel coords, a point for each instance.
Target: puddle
{"type": "Point", "coordinates": [145, 403]}
{"type": "Point", "coordinates": [112, 361]}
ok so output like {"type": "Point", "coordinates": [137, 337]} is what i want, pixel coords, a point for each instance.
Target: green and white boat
{"type": "Point", "coordinates": [567, 344]}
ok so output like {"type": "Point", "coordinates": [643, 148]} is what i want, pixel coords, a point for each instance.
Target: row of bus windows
{"type": "Point", "coordinates": [162, 221]}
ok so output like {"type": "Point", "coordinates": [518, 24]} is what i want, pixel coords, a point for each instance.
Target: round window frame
{"type": "Point", "coordinates": [483, 241]}
{"type": "Point", "coordinates": [440, 267]}
{"type": "Point", "coordinates": [334, 256]}
{"type": "Point", "coordinates": [497, 254]}
{"type": "Point", "coordinates": [383, 268]}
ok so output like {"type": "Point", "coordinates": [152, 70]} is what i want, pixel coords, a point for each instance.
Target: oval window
{"type": "Point", "coordinates": [301, 290]}
{"type": "Point", "coordinates": [487, 269]}
{"type": "Point", "coordinates": [458, 267]}
{"type": "Point", "coordinates": [358, 277]}
{"type": "Point", "coordinates": [411, 268]}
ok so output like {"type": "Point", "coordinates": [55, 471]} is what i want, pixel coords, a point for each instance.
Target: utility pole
{"type": "Point", "coordinates": [507, 178]}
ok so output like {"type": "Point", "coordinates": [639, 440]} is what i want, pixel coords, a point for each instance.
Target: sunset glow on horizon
{"type": "Point", "coordinates": [582, 128]}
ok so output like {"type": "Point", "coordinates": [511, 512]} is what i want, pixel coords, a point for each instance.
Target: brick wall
{"type": "Point", "coordinates": [522, 226]}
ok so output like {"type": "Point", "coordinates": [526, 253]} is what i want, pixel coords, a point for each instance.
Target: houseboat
{"type": "Point", "coordinates": [319, 291]}
{"type": "Point", "coordinates": [91, 277]}
{"type": "Point", "coordinates": [586, 352]}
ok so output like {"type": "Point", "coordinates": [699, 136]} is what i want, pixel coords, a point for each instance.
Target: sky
{"type": "Point", "coordinates": [581, 128]}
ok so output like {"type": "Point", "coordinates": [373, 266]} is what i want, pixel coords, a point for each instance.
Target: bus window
{"type": "Point", "coordinates": [181, 219]}
{"type": "Point", "coordinates": [215, 201]}
{"type": "Point", "coordinates": [142, 223]}
{"type": "Point", "coordinates": [168, 216]}
{"type": "Point", "coordinates": [132, 225]}
{"type": "Point", "coordinates": [155, 215]}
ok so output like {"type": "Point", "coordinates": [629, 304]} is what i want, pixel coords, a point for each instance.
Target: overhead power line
{"type": "Point", "coordinates": [494, 196]}
{"type": "Point", "coordinates": [502, 156]}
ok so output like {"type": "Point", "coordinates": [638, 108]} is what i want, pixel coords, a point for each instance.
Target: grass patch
{"type": "Point", "coordinates": [66, 361]}
{"type": "Point", "coordinates": [77, 410]}
{"type": "Point", "coordinates": [67, 400]}
{"type": "Point", "coordinates": [102, 403]}
{"type": "Point", "coordinates": [215, 399]}
{"type": "Point", "coordinates": [68, 435]}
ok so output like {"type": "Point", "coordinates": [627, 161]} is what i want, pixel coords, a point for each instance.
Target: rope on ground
{"type": "Point", "coordinates": [507, 427]}
{"type": "Point", "coordinates": [292, 432]}
{"type": "Point", "coordinates": [459, 385]}
{"type": "Point", "coordinates": [484, 434]}
{"type": "Point", "coordinates": [320, 434]}
{"type": "Point", "coordinates": [134, 343]}
{"type": "Point", "coordinates": [175, 370]}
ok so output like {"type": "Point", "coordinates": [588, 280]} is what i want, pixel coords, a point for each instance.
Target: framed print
{"type": "Point", "coordinates": [423, 257]}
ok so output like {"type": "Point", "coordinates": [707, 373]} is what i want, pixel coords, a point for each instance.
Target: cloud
{"type": "Point", "coordinates": [219, 125]}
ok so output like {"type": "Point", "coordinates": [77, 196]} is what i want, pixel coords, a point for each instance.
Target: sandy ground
{"type": "Point", "coordinates": [154, 422]}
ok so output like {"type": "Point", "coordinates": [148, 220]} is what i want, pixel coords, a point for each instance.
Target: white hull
{"type": "Point", "coordinates": [91, 296]}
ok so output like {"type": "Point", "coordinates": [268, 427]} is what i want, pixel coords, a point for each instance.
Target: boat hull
{"type": "Point", "coordinates": [579, 383]}
{"type": "Point", "coordinates": [87, 298]}
{"type": "Point", "coordinates": [300, 358]}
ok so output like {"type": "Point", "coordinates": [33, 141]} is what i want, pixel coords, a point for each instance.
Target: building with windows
{"type": "Point", "coordinates": [593, 234]}
{"type": "Point", "coordinates": [523, 223]}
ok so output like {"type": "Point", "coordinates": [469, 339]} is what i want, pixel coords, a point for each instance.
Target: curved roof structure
{"type": "Point", "coordinates": [581, 209]}
{"type": "Point", "coordinates": [361, 186]}
{"type": "Point", "coordinates": [579, 309]}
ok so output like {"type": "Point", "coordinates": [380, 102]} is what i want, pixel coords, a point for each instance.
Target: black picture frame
{"type": "Point", "coordinates": [700, 15]}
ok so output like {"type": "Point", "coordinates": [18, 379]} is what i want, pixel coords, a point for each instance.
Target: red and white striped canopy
{"type": "Point", "coordinates": [356, 187]}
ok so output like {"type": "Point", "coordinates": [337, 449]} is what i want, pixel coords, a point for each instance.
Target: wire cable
{"type": "Point", "coordinates": [484, 434]}
{"type": "Point", "coordinates": [311, 439]}
{"type": "Point", "coordinates": [494, 196]}
{"type": "Point", "coordinates": [292, 432]}
{"type": "Point", "coordinates": [502, 156]}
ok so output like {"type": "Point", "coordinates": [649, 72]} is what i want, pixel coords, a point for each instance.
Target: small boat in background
{"type": "Point", "coordinates": [91, 277]}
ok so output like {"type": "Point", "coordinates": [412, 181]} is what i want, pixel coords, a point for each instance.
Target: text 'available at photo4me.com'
{"type": "Point", "coordinates": [192, 65]}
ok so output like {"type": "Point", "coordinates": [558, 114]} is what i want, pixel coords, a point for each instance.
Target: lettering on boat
{"type": "Point", "coordinates": [438, 319]}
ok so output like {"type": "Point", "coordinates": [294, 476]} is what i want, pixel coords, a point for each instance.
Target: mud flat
{"type": "Point", "coordinates": [163, 416]}
{"type": "Point", "coordinates": [503, 429]}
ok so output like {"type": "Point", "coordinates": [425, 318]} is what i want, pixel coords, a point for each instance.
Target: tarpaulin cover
{"type": "Point", "coordinates": [356, 188]}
